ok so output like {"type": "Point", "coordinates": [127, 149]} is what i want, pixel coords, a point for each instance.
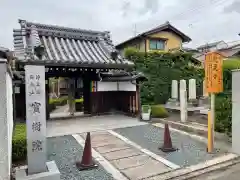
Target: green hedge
{"type": "Point", "coordinates": [223, 102]}
{"type": "Point", "coordinates": [158, 111]}
{"type": "Point", "coordinates": [59, 101]}
{"type": "Point", "coordinates": [19, 143]}
{"type": "Point", "coordinates": [223, 109]}
{"type": "Point", "coordinates": [79, 100]}
{"type": "Point", "coordinates": [228, 66]}
{"type": "Point", "coordinates": [160, 69]}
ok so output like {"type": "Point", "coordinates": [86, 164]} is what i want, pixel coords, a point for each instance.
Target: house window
{"type": "Point", "coordinates": [157, 44]}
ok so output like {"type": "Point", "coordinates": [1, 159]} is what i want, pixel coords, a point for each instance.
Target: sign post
{"type": "Point", "coordinates": [214, 84]}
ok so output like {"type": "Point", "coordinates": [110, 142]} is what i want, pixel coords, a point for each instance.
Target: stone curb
{"type": "Point", "coordinates": [192, 129]}
{"type": "Point", "coordinates": [202, 168]}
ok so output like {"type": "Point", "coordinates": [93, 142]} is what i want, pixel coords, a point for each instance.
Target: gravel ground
{"type": "Point", "coordinates": [65, 151]}
{"type": "Point", "coordinates": [190, 151]}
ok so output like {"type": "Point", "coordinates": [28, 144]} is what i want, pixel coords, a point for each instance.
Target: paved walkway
{"type": "Point", "coordinates": [60, 109]}
{"type": "Point", "coordinates": [88, 124]}
{"type": "Point", "coordinates": [128, 160]}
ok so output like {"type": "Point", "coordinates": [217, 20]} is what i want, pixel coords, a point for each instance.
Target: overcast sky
{"type": "Point", "coordinates": [202, 20]}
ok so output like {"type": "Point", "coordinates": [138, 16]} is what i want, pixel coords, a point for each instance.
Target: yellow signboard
{"type": "Point", "coordinates": [213, 72]}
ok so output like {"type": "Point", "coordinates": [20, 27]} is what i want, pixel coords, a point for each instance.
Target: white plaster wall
{"type": "Point", "coordinates": [9, 115]}
{"type": "Point", "coordinates": [6, 123]}
{"type": "Point", "coordinates": [115, 86]}
{"type": "Point", "coordinates": [127, 86]}
{"type": "Point", "coordinates": [107, 86]}
{"type": "Point", "coordinates": [235, 112]}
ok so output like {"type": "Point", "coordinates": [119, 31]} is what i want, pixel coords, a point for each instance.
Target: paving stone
{"type": "Point", "coordinates": [149, 168]}
{"type": "Point", "coordinates": [106, 142]}
{"type": "Point", "coordinates": [121, 154]}
{"type": "Point", "coordinates": [112, 147]}
{"type": "Point", "coordinates": [130, 162]}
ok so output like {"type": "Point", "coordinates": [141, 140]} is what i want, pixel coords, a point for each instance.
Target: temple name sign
{"type": "Point", "coordinates": [35, 118]}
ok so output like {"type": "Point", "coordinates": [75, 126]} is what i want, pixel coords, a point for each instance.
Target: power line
{"type": "Point", "coordinates": [212, 2]}
{"type": "Point", "coordinates": [135, 30]}
{"type": "Point", "coordinates": [190, 11]}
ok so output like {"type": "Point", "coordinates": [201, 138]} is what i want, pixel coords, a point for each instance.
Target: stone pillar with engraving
{"type": "Point", "coordinates": [38, 167]}
{"type": "Point", "coordinates": [174, 94]}
{"type": "Point", "coordinates": [35, 118]}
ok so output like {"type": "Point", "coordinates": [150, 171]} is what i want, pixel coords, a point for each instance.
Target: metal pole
{"type": "Point", "coordinates": [213, 116]}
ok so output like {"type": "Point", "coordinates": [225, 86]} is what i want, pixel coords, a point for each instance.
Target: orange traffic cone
{"type": "Point", "coordinates": [167, 144]}
{"type": "Point", "coordinates": [87, 161]}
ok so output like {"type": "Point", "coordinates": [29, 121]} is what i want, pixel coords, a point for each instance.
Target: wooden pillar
{"type": "Point", "coordinates": [47, 98]}
{"type": "Point", "coordinates": [71, 95]}
{"type": "Point", "coordinates": [21, 104]}
{"type": "Point", "coordinates": [134, 104]}
{"type": "Point", "coordinates": [86, 95]}
{"type": "Point", "coordinates": [130, 103]}
{"type": "Point", "coordinates": [138, 101]}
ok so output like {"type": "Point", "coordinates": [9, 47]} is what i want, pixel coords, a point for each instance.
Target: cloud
{"type": "Point", "coordinates": [151, 5]}
{"type": "Point", "coordinates": [233, 7]}
{"type": "Point", "coordinates": [126, 8]}
{"type": "Point", "coordinates": [203, 21]}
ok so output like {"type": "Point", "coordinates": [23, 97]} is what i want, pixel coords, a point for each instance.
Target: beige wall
{"type": "Point", "coordinates": [173, 40]}
{"type": "Point", "coordinates": [139, 44]}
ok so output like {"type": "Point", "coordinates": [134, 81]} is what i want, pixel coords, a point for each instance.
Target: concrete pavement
{"type": "Point", "coordinates": [89, 124]}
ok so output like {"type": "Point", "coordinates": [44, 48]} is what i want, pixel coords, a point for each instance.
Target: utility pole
{"type": "Point", "coordinates": [135, 30]}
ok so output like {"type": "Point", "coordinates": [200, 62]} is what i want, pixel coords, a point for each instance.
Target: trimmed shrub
{"type": "Point", "coordinates": [158, 111]}
{"type": "Point", "coordinates": [79, 104]}
{"type": "Point", "coordinates": [223, 109]}
{"type": "Point", "coordinates": [19, 143]}
{"type": "Point", "coordinates": [228, 66]}
{"type": "Point", "coordinates": [59, 101]}
{"type": "Point", "coordinates": [79, 100]}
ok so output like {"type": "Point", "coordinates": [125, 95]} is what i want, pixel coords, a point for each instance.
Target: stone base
{"type": "Point", "coordinates": [172, 102]}
{"type": "Point", "coordinates": [52, 173]}
{"type": "Point", "coordinates": [193, 103]}
{"type": "Point", "coordinates": [204, 101]}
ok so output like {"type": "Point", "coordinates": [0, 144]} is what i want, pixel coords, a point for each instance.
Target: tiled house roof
{"type": "Point", "coordinates": [65, 46]}
{"type": "Point", "coordinates": [162, 27]}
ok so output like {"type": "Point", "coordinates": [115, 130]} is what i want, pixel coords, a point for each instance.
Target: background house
{"type": "Point", "coordinates": [227, 50]}
{"type": "Point", "coordinates": [212, 46]}
{"type": "Point", "coordinates": [162, 38]}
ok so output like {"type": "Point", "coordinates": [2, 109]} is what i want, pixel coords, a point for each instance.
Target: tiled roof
{"type": "Point", "coordinates": [65, 46]}
{"type": "Point", "coordinates": [162, 27]}
{"type": "Point", "coordinates": [209, 45]}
